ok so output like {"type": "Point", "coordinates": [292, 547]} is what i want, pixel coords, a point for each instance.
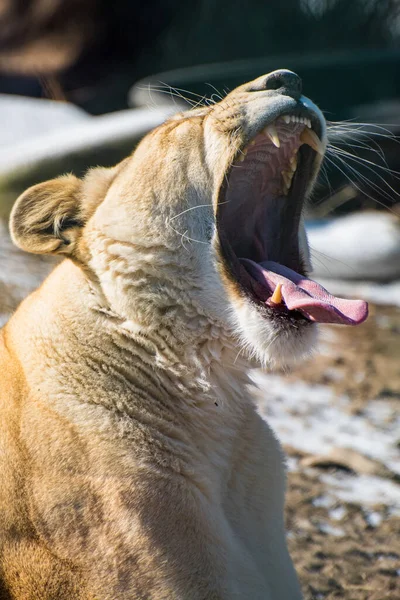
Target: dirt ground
{"type": "Point", "coordinates": [362, 564]}
{"type": "Point", "coordinates": [348, 550]}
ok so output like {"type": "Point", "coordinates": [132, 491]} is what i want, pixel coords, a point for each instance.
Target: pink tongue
{"type": "Point", "coordinates": [306, 295]}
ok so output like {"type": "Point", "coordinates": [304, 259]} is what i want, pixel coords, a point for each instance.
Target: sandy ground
{"type": "Point", "coordinates": [339, 421]}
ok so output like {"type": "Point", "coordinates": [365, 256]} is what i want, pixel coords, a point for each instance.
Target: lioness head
{"type": "Point", "coordinates": [200, 230]}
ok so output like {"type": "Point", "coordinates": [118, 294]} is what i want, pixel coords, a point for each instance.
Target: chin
{"type": "Point", "coordinates": [273, 343]}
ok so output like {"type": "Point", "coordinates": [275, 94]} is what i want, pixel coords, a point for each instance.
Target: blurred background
{"type": "Point", "coordinates": [81, 81]}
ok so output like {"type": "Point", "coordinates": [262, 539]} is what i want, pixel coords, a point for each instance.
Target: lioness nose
{"type": "Point", "coordinates": [287, 82]}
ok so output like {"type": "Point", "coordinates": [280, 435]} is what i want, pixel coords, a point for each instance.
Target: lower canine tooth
{"type": "Point", "coordinates": [276, 297]}
{"type": "Point", "coordinates": [270, 130]}
{"type": "Point", "coordinates": [308, 136]}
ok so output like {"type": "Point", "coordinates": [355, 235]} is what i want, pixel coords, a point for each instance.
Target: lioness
{"type": "Point", "coordinates": [133, 462]}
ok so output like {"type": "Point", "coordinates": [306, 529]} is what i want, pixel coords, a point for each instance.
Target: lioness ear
{"type": "Point", "coordinates": [47, 217]}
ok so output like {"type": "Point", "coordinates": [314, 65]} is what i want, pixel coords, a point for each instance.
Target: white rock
{"type": "Point", "coordinates": [87, 136]}
{"type": "Point", "coordinates": [22, 119]}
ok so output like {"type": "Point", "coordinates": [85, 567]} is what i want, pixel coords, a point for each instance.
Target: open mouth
{"type": "Point", "coordinates": [258, 219]}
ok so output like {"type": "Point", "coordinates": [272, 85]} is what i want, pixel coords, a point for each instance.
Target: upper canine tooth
{"type": "Point", "coordinates": [286, 118]}
{"type": "Point", "coordinates": [308, 122]}
{"type": "Point", "coordinates": [270, 130]}
{"type": "Point", "coordinates": [308, 136]}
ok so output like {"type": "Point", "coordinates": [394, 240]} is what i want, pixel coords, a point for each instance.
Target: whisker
{"type": "Point", "coordinates": [369, 182]}
{"type": "Point", "coordinates": [165, 88]}
{"type": "Point", "coordinates": [361, 159]}
{"type": "Point", "coordinates": [185, 236]}
{"type": "Point", "coordinates": [330, 258]}
{"type": "Point", "coordinates": [332, 201]}
{"type": "Point", "coordinates": [360, 126]}
{"type": "Point", "coordinates": [361, 145]}
{"type": "Point", "coordinates": [217, 92]}
{"type": "Point", "coordinates": [358, 177]}
{"type": "Point", "coordinates": [195, 207]}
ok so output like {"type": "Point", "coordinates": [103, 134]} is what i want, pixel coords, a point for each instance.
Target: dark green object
{"type": "Point", "coordinates": [337, 82]}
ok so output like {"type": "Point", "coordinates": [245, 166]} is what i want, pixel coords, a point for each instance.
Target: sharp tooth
{"type": "Point", "coordinates": [287, 178]}
{"type": "Point", "coordinates": [293, 162]}
{"type": "Point", "coordinates": [309, 123]}
{"type": "Point", "coordinates": [308, 136]}
{"type": "Point", "coordinates": [270, 130]}
{"type": "Point", "coordinates": [293, 119]}
{"type": "Point", "coordinates": [276, 297]}
{"type": "Point", "coordinates": [243, 155]}
{"type": "Point", "coordinates": [286, 118]}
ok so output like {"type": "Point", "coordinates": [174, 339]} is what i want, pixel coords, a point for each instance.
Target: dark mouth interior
{"type": "Point", "coordinates": [260, 207]}
{"type": "Point", "coordinates": [258, 219]}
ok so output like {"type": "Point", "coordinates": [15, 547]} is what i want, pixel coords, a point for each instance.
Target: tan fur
{"type": "Point", "coordinates": [133, 464]}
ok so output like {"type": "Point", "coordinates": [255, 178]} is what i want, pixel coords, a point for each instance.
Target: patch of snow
{"type": "Point", "coordinates": [292, 464]}
{"type": "Point", "coordinates": [364, 489]}
{"type": "Point", "coordinates": [374, 519]}
{"type": "Point", "coordinates": [337, 514]}
{"type": "Point", "coordinates": [312, 419]}
{"type": "Point", "coordinates": [22, 118]}
{"type": "Point", "coordinates": [95, 132]}
{"type": "Point", "coordinates": [381, 413]}
{"type": "Point", "coordinates": [330, 530]}
{"type": "Point", "coordinates": [324, 501]}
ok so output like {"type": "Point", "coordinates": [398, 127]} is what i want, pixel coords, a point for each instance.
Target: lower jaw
{"type": "Point", "coordinates": [277, 343]}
